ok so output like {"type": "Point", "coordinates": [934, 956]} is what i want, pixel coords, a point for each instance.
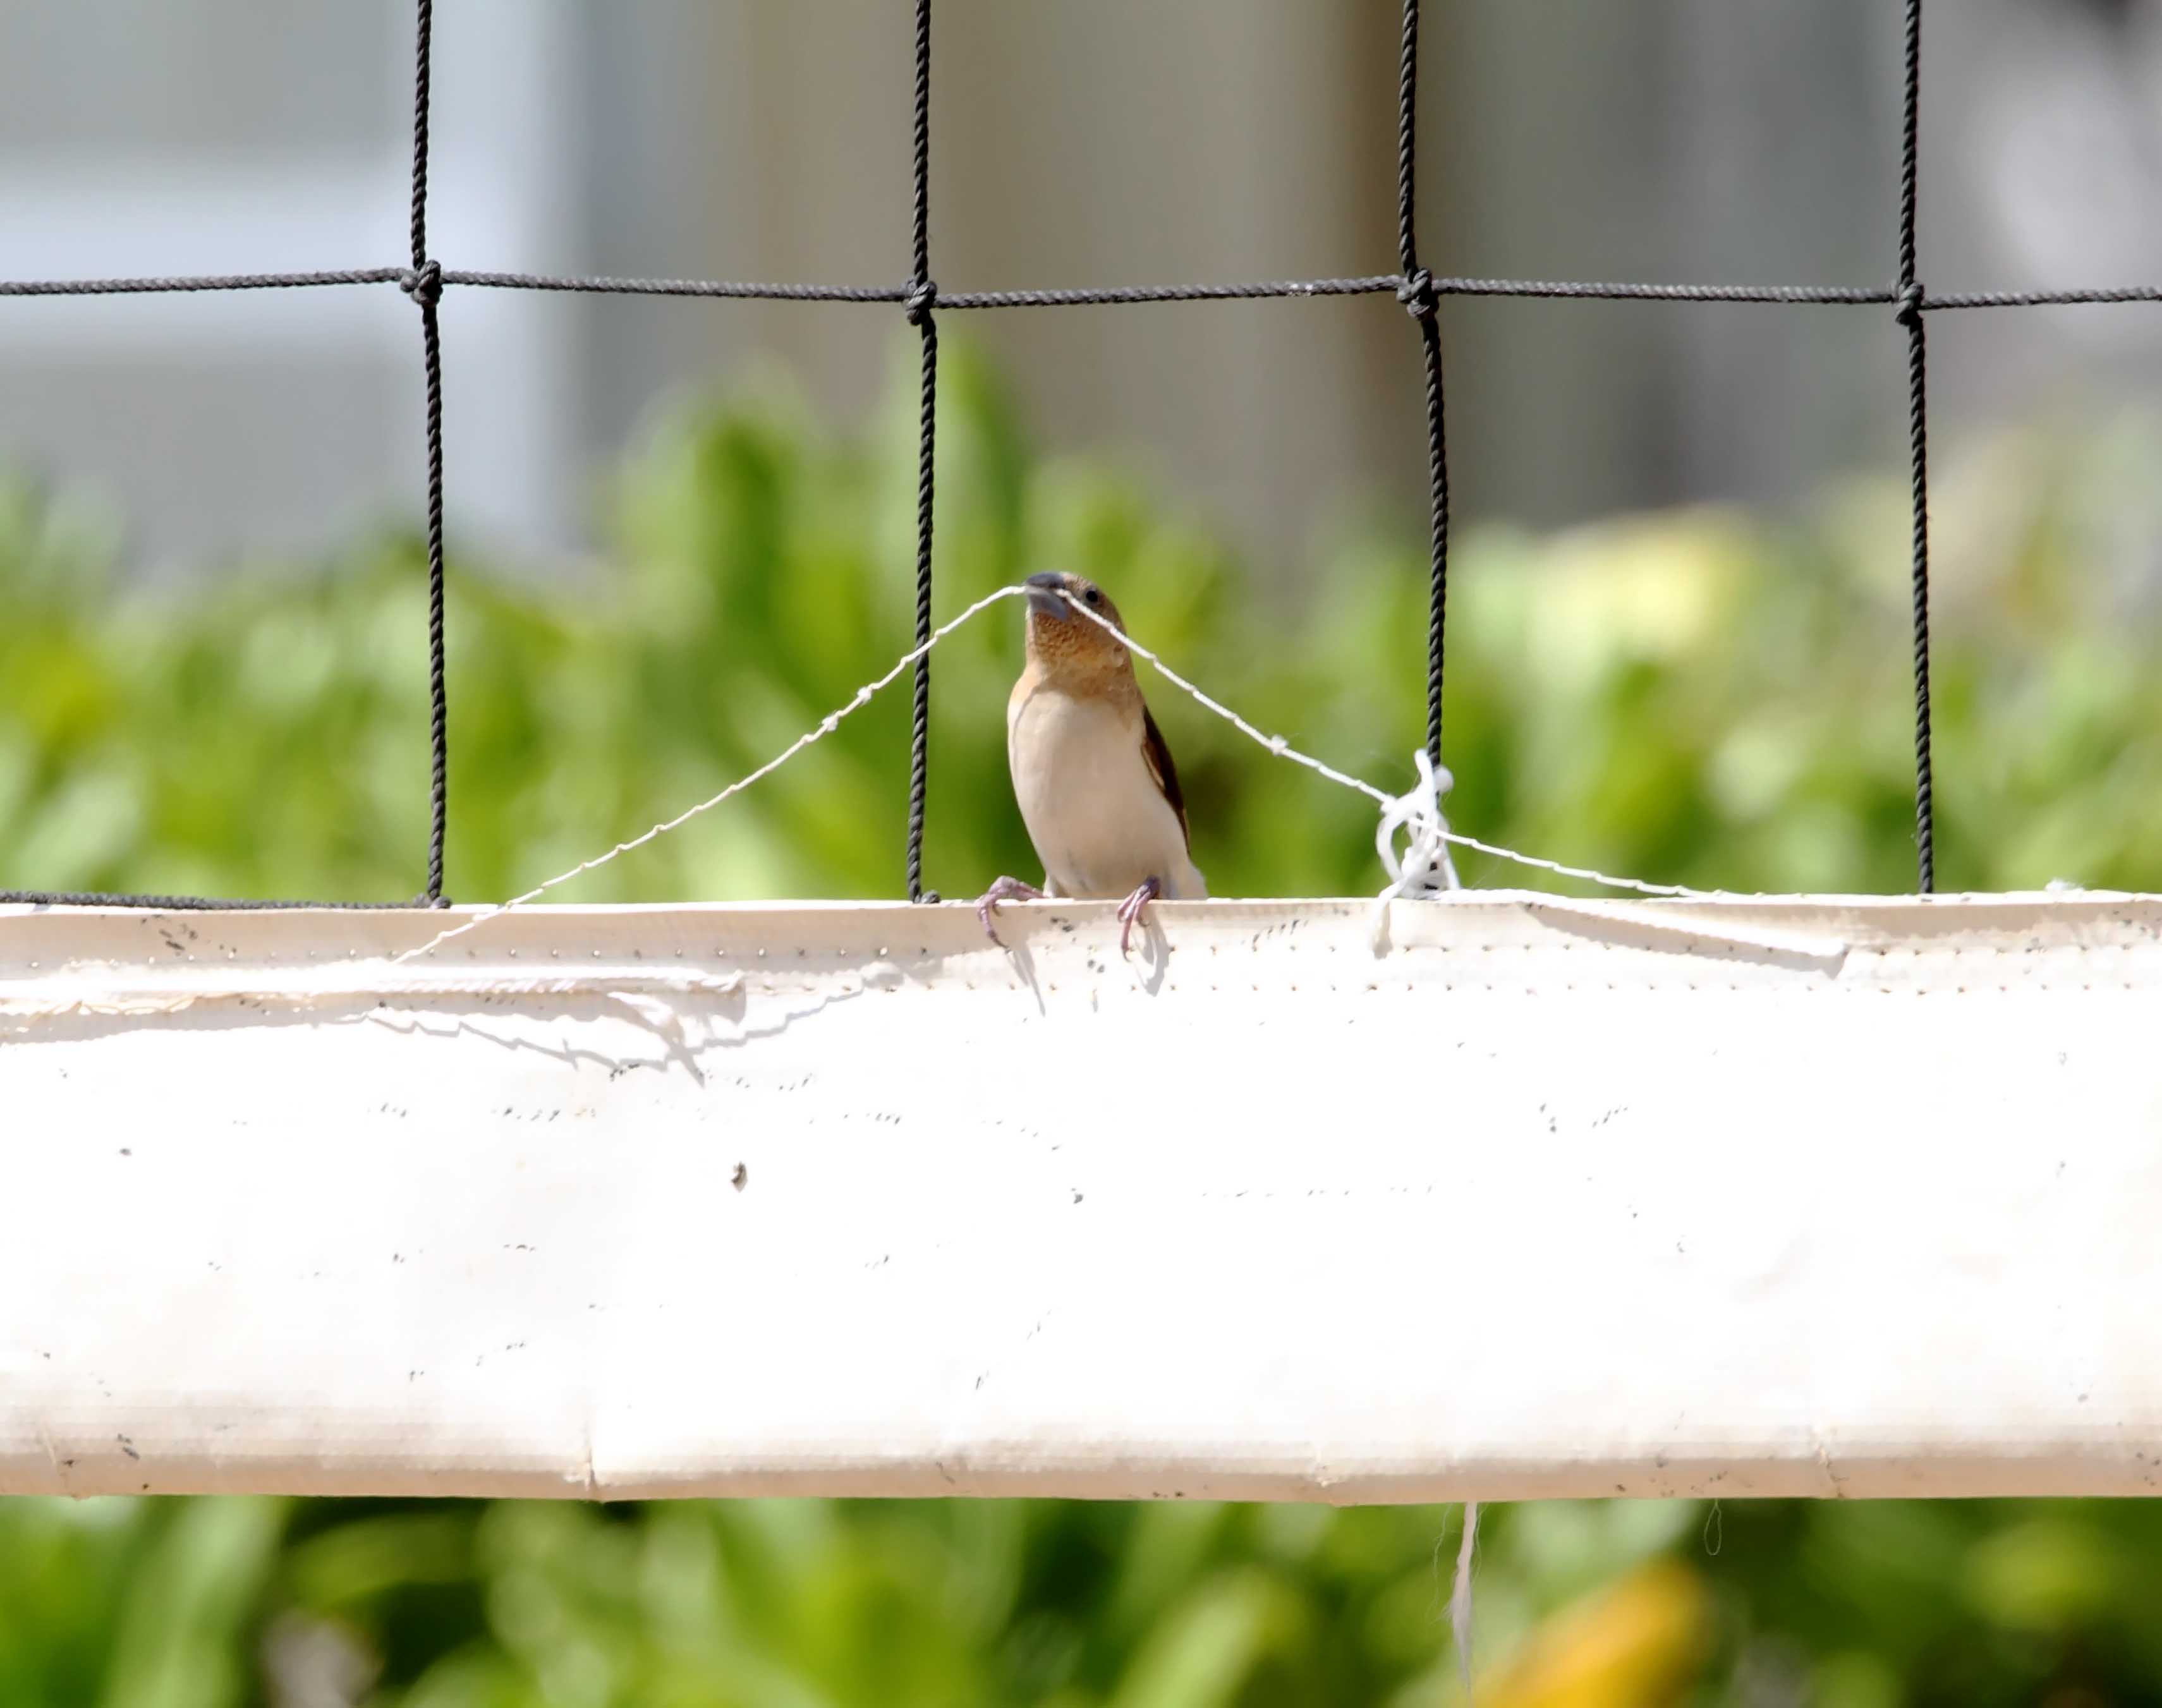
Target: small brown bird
{"type": "Point", "coordinates": [1091, 774]}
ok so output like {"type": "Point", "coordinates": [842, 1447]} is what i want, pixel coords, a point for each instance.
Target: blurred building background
{"type": "Point", "coordinates": [1118, 141]}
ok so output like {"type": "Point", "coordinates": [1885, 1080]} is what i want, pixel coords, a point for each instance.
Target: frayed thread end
{"type": "Point", "coordinates": [1424, 868]}
{"type": "Point", "coordinates": [1459, 1598]}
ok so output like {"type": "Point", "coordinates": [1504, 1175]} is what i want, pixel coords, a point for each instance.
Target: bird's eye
{"type": "Point", "coordinates": [1094, 597]}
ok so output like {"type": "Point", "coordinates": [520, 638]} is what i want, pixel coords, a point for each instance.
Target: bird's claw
{"type": "Point", "coordinates": [1003, 890]}
{"type": "Point", "coordinates": [1130, 909]}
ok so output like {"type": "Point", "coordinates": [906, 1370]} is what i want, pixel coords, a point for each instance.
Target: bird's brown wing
{"type": "Point", "coordinates": [1166, 774]}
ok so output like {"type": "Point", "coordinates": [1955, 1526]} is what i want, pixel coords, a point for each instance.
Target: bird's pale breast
{"type": "Point", "coordinates": [1099, 821]}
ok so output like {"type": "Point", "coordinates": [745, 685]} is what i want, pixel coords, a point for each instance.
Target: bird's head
{"type": "Point", "coordinates": [1061, 641]}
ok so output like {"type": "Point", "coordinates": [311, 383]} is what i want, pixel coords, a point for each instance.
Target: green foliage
{"type": "Point", "coordinates": [1700, 697]}
{"type": "Point", "coordinates": [1695, 696]}
{"type": "Point", "coordinates": [799, 1604]}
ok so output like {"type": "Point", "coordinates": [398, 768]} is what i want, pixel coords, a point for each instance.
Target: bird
{"type": "Point", "coordinates": [1091, 776]}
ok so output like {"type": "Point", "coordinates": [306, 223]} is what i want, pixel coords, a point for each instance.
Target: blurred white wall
{"type": "Point", "coordinates": [148, 137]}
{"type": "Point", "coordinates": [1112, 141]}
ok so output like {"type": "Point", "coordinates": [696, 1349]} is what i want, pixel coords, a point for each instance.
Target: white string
{"type": "Point", "coordinates": [1459, 1597]}
{"type": "Point", "coordinates": [1420, 807]}
{"type": "Point", "coordinates": [1284, 749]}
{"type": "Point", "coordinates": [1585, 873]}
{"type": "Point", "coordinates": [825, 726]}
{"type": "Point", "coordinates": [1275, 743]}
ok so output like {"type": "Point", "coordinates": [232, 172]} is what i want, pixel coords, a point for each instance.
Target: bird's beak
{"type": "Point", "coordinates": [1044, 599]}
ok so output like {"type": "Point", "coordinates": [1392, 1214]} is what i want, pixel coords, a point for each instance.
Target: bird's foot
{"type": "Point", "coordinates": [1130, 909]}
{"type": "Point", "coordinates": [1003, 890]}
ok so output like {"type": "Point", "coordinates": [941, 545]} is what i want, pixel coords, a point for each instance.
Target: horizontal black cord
{"type": "Point", "coordinates": [1374, 284]}
{"type": "Point", "coordinates": [2043, 299]}
{"type": "Point", "coordinates": [1836, 295]}
{"type": "Point", "coordinates": [1370, 284]}
{"type": "Point", "coordinates": [208, 281]}
{"type": "Point", "coordinates": [677, 287]}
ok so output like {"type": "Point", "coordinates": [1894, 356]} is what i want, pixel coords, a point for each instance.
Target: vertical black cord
{"type": "Point", "coordinates": [1911, 298]}
{"type": "Point", "coordinates": [922, 295]}
{"type": "Point", "coordinates": [1418, 295]}
{"type": "Point", "coordinates": [425, 287]}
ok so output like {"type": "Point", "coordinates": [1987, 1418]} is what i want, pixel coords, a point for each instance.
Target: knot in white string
{"type": "Point", "coordinates": [1424, 868]}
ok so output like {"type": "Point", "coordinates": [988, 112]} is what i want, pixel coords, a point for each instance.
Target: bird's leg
{"type": "Point", "coordinates": [1130, 909]}
{"type": "Point", "coordinates": [1002, 890]}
